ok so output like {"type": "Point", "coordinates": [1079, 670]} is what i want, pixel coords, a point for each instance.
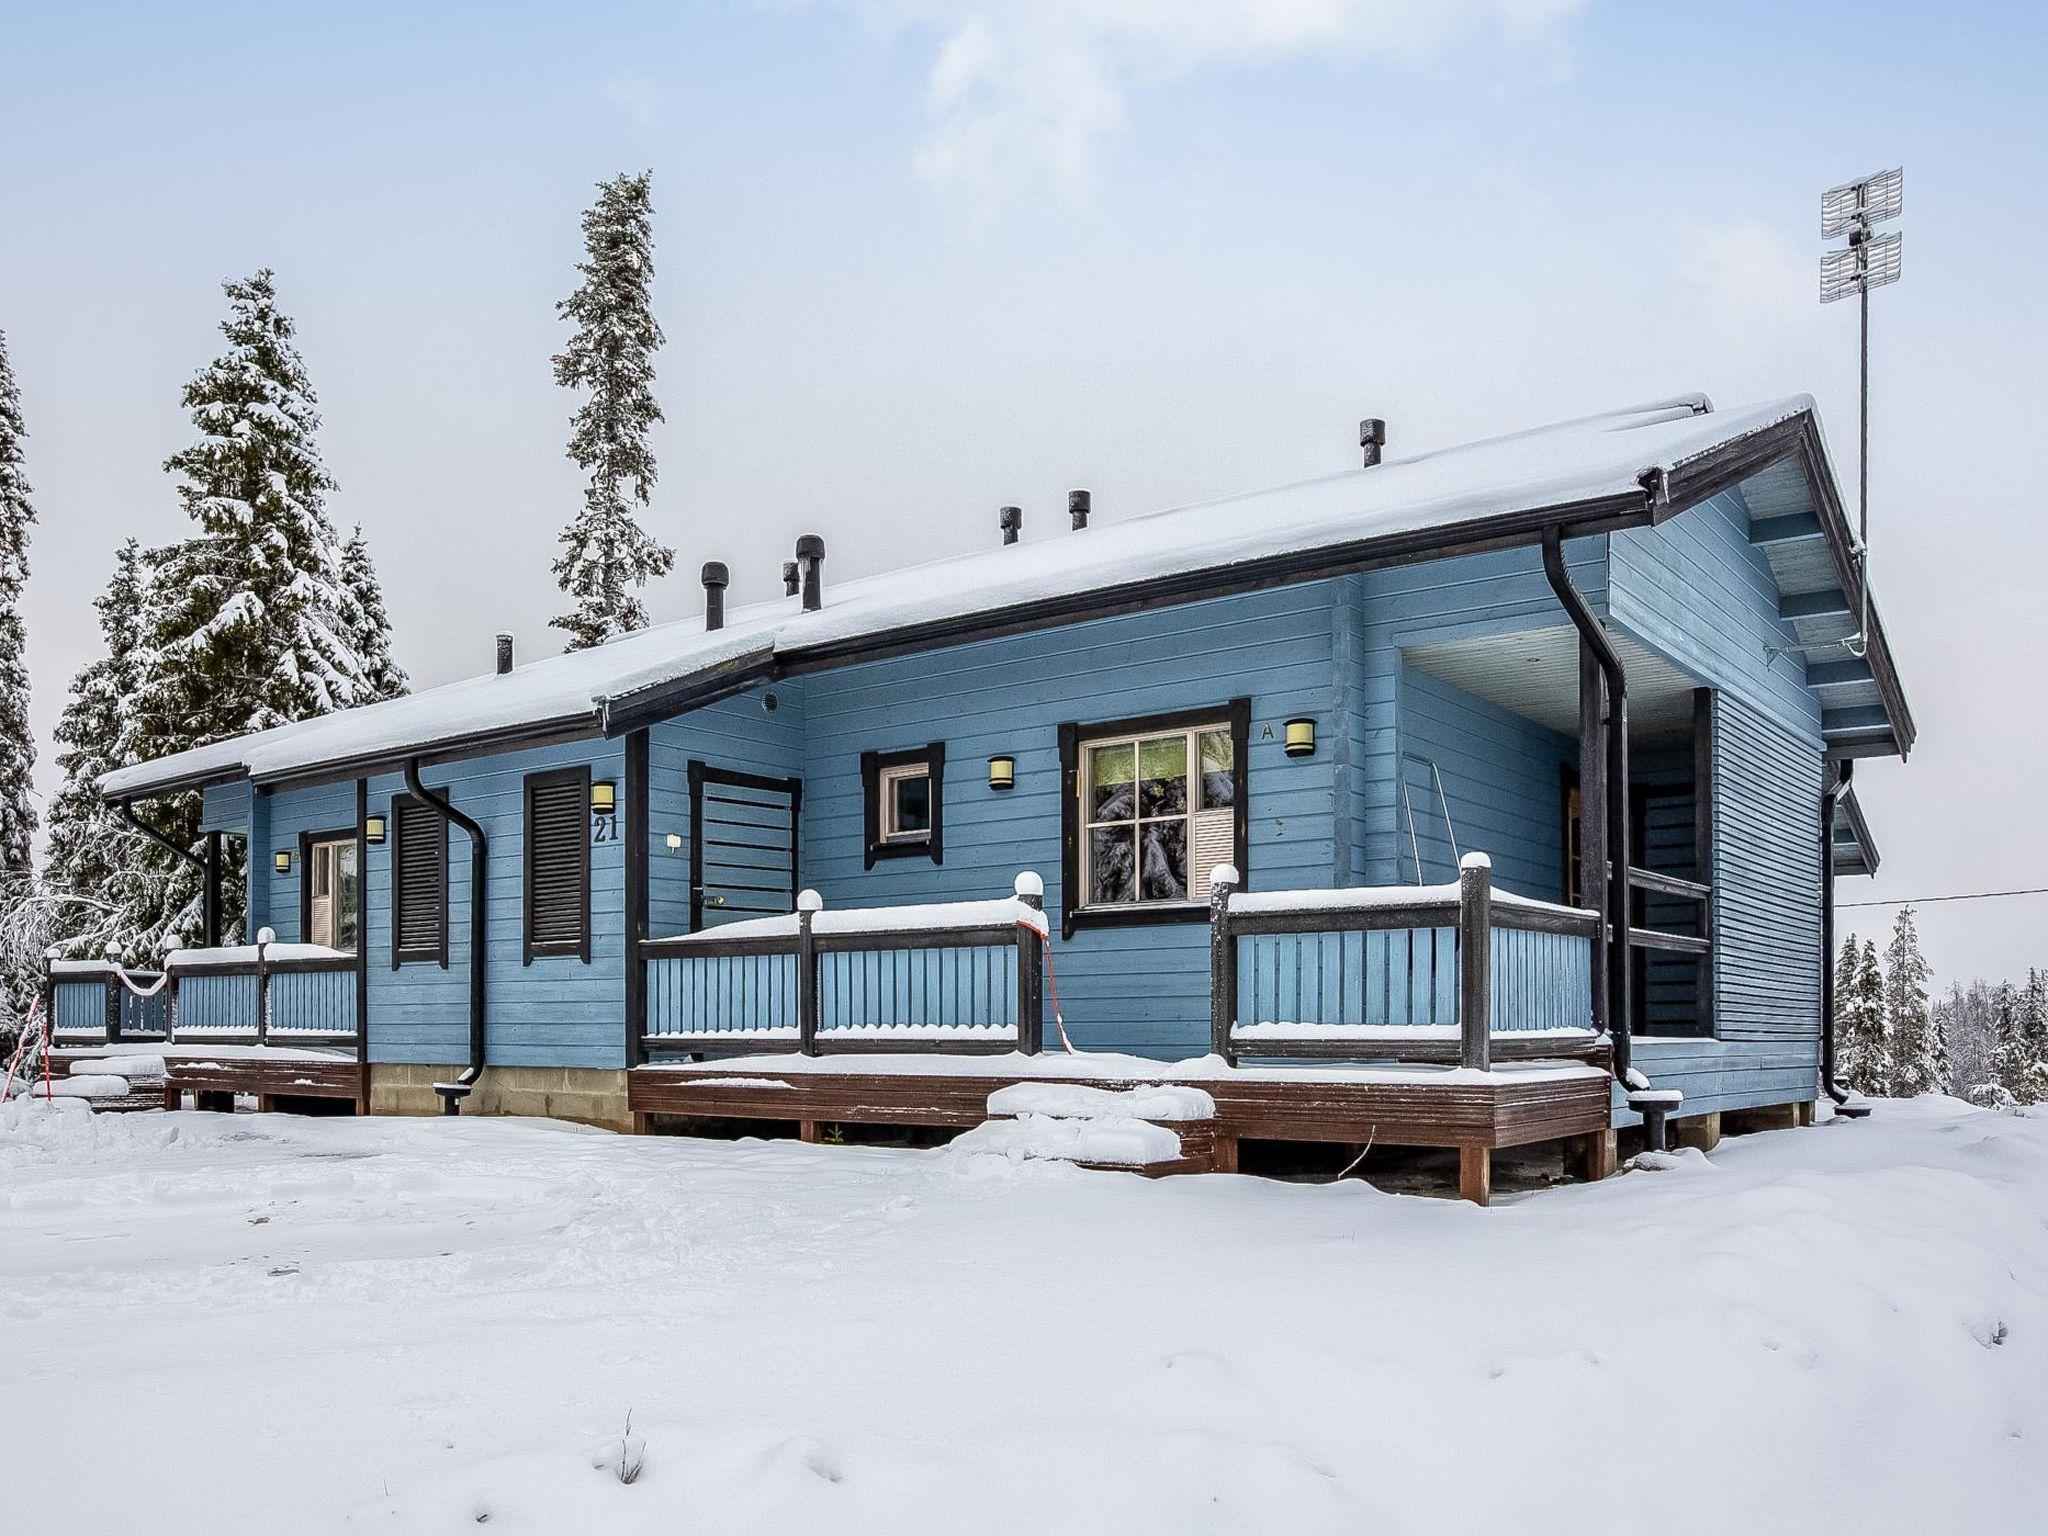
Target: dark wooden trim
{"type": "Point", "coordinates": [1236, 716]}
{"type": "Point", "coordinates": [579, 947]}
{"type": "Point", "coordinates": [363, 939]}
{"type": "Point", "coordinates": [1668, 885]}
{"type": "Point", "coordinates": [1594, 885]}
{"type": "Point", "coordinates": [402, 806]}
{"type": "Point", "coordinates": [1703, 707]}
{"type": "Point", "coordinates": [638, 854]}
{"type": "Point", "coordinates": [872, 766]}
{"type": "Point", "coordinates": [1677, 943]}
{"type": "Point", "coordinates": [210, 898]}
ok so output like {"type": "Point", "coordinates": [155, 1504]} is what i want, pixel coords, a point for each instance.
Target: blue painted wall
{"type": "Point", "coordinates": [1698, 591]}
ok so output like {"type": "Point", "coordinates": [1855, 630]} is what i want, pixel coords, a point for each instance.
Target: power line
{"type": "Point", "coordinates": [1928, 901]}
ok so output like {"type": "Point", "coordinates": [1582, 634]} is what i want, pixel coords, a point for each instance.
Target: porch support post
{"type": "Point", "coordinates": [1475, 1174]}
{"type": "Point", "coordinates": [1593, 813]}
{"type": "Point", "coordinates": [636, 895]}
{"type": "Point", "coordinates": [210, 902]}
{"type": "Point", "coordinates": [1475, 962]}
{"type": "Point", "coordinates": [1703, 845]}
{"type": "Point", "coordinates": [362, 946]}
{"type": "Point", "coordinates": [1030, 969]}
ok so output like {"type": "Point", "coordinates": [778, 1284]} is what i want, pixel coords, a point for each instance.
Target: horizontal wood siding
{"type": "Point", "coordinates": [1696, 590]}
{"type": "Point", "coordinates": [1496, 594]}
{"type": "Point", "coordinates": [322, 808]}
{"type": "Point", "coordinates": [1766, 855]}
{"type": "Point", "coordinates": [225, 807]}
{"type": "Point", "coordinates": [741, 734]}
{"type": "Point", "coordinates": [558, 1011]}
{"type": "Point", "coordinates": [1503, 776]}
{"type": "Point", "coordinates": [1139, 989]}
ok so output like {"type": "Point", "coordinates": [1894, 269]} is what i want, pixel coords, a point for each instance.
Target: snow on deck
{"type": "Point", "coordinates": [1110, 1066]}
{"type": "Point", "coordinates": [1570, 462]}
{"type": "Point", "coordinates": [257, 1323]}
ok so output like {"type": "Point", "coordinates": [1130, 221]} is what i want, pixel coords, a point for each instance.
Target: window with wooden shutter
{"type": "Point", "coordinates": [558, 863]}
{"type": "Point", "coordinates": [419, 883]}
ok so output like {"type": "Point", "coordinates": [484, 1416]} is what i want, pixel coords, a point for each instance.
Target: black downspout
{"type": "Point", "coordinates": [1830, 798]}
{"type": "Point", "coordinates": [452, 1094]}
{"type": "Point", "coordinates": [1619, 898]}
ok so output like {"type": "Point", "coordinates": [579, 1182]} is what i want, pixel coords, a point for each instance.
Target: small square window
{"type": "Point", "coordinates": [904, 795]}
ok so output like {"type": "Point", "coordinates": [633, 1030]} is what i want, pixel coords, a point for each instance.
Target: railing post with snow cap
{"type": "Point", "coordinates": [112, 1012]}
{"type": "Point", "coordinates": [808, 905]}
{"type": "Point", "coordinates": [1030, 968]}
{"type": "Point", "coordinates": [1222, 963]}
{"type": "Point", "coordinates": [1475, 960]}
{"type": "Point", "coordinates": [265, 937]}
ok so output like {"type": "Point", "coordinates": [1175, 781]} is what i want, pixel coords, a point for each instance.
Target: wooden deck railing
{"type": "Point", "coordinates": [956, 977]}
{"type": "Point", "coordinates": [1431, 973]}
{"type": "Point", "coordinates": [218, 995]}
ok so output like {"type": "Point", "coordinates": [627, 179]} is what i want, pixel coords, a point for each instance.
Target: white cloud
{"type": "Point", "coordinates": [1023, 90]}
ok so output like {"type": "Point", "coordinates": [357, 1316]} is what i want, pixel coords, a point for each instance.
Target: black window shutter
{"type": "Point", "coordinates": [558, 864]}
{"type": "Point", "coordinates": [419, 883]}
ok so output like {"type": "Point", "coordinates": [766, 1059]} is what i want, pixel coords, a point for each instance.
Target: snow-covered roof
{"type": "Point", "coordinates": [1569, 469]}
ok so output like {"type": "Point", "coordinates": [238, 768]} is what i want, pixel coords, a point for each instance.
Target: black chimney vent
{"type": "Point", "coordinates": [1011, 521]}
{"type": "Point", "coordinates": [810, 557]}
{"type": "Point", "coordinates": [716, 580]}
{"type": "Point", "coordinates": [504, 654]}
{"type": "Point", "coordinates": [1372, 437]}
{"type": "Point", "coordinates": [789, 578]}
{"type": "Point", "coordinates": [1078, 504]}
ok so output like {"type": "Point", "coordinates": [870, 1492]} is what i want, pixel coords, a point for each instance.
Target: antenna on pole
{"type": "Point", "coordinates": [1868, 261]}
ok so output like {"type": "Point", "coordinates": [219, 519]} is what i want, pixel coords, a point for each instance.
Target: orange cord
{"type": "Point", "coordinates": [1052, 983]}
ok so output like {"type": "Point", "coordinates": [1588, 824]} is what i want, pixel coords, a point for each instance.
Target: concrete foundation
{"type": "Point", "coordinates": [587, 1095]}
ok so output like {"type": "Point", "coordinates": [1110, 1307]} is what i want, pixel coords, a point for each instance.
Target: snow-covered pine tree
{"type": "Point", "coordinates": [92, 854]}
{"type": "Point", "coordinates": [607, 556]}
{"type": "Point", "coordinates": [1918, 1063]}
{"type": "Point", "coordinates": [1861, 1038]}
{"type": "Point", "coordinates": [17, 745]}
{"type": "Point", "coordinates": [2022, 1057]}
{"type": "Point", "coordinates": [382, 674]}
{"type": "Point", "coordinates": [253, 612]}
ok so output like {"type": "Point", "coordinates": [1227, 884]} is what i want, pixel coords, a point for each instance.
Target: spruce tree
{"type": "Point", "coordinates": [1861, 1037]}
{"type": "Point", "coordinates": [17, 745]}
{"type": "Point", "coordinates": [607, 556]}
{"type": "Point", "coordinates": [254, 617]}
{"type": "Point", "coordinates": [383, 677]}
{"type": "Point", "coordinates": [92, 853]}
{"type": "Point", "coordinates": [1917, 1058]}
{"type": "Point", "coordinates": [2022, 1055]}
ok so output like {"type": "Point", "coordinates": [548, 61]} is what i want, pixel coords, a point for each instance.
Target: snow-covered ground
{"type": "Point", "coordinates": [267, 1324]}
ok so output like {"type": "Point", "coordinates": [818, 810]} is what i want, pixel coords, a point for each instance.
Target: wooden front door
{"type": "Point", "coordinates": [743, 845]}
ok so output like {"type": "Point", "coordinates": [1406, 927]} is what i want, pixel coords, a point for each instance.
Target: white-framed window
{"type": "Point", "coordinates": [1158, 811]}
{"type": "Point", "coordinates": [334, 899]}
{"type": "Point", "coordinates": [905, 808]}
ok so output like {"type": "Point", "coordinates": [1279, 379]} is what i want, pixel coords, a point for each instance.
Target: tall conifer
{"type": "Point", "coordinates": [607, 557]}
{"type": "Point", "coordinates": [17, 744]}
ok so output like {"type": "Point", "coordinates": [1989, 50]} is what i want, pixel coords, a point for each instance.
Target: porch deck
{"type": "Point", "coordinates": [273, 1075]}
{"type": "Point", "coordinates": [1476, 1112]}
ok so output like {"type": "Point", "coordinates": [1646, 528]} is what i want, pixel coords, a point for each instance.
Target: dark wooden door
{"type": "Point", "coordinates": [743, 845]}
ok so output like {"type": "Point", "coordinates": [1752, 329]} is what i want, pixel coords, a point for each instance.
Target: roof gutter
{"type": "Point", "coordinates": [452, 1094]}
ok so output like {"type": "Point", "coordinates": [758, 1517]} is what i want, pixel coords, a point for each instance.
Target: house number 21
{"type": "Point", "coordinates": [604, 826]}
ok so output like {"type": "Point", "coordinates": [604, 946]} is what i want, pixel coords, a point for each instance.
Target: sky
{"type": "Point", "coordinates": [920, 258]}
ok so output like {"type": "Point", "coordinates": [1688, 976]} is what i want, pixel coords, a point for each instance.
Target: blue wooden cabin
{"type": "Point", "coordinates": [1346, 685]}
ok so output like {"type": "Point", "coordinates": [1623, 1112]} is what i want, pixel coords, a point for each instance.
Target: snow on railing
{"type": "Point", "coordinates": [1444, 972]}
{"type": "Point", "coordinates": [955, 976]}
{"type": "Point", "coordinates": [253, 991]}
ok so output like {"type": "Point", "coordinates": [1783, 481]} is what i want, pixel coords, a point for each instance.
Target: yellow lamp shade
{"type": "Point", "coordinates": [604, 797]}
{"type": "Point", "coordinates": [1301, 738]}
{"type": "Point", "coordinates": [1002, 772]}
{"type": "Point", "coordinates": [281, 861]}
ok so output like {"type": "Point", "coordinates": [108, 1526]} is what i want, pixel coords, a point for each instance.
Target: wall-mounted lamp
{"type": "Point", "coordinates": [1301, 738]}
{"type": "Point", "coordinates": [281, 861]}
{"type": "Point", "coordinates": [373, 829]}
{"type": "Point", "coordinates": [1002, 772]}
{"type": "Point", "coordinates": [604, 797]}
{"type": "Point", "coordinates": [674, 841]}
